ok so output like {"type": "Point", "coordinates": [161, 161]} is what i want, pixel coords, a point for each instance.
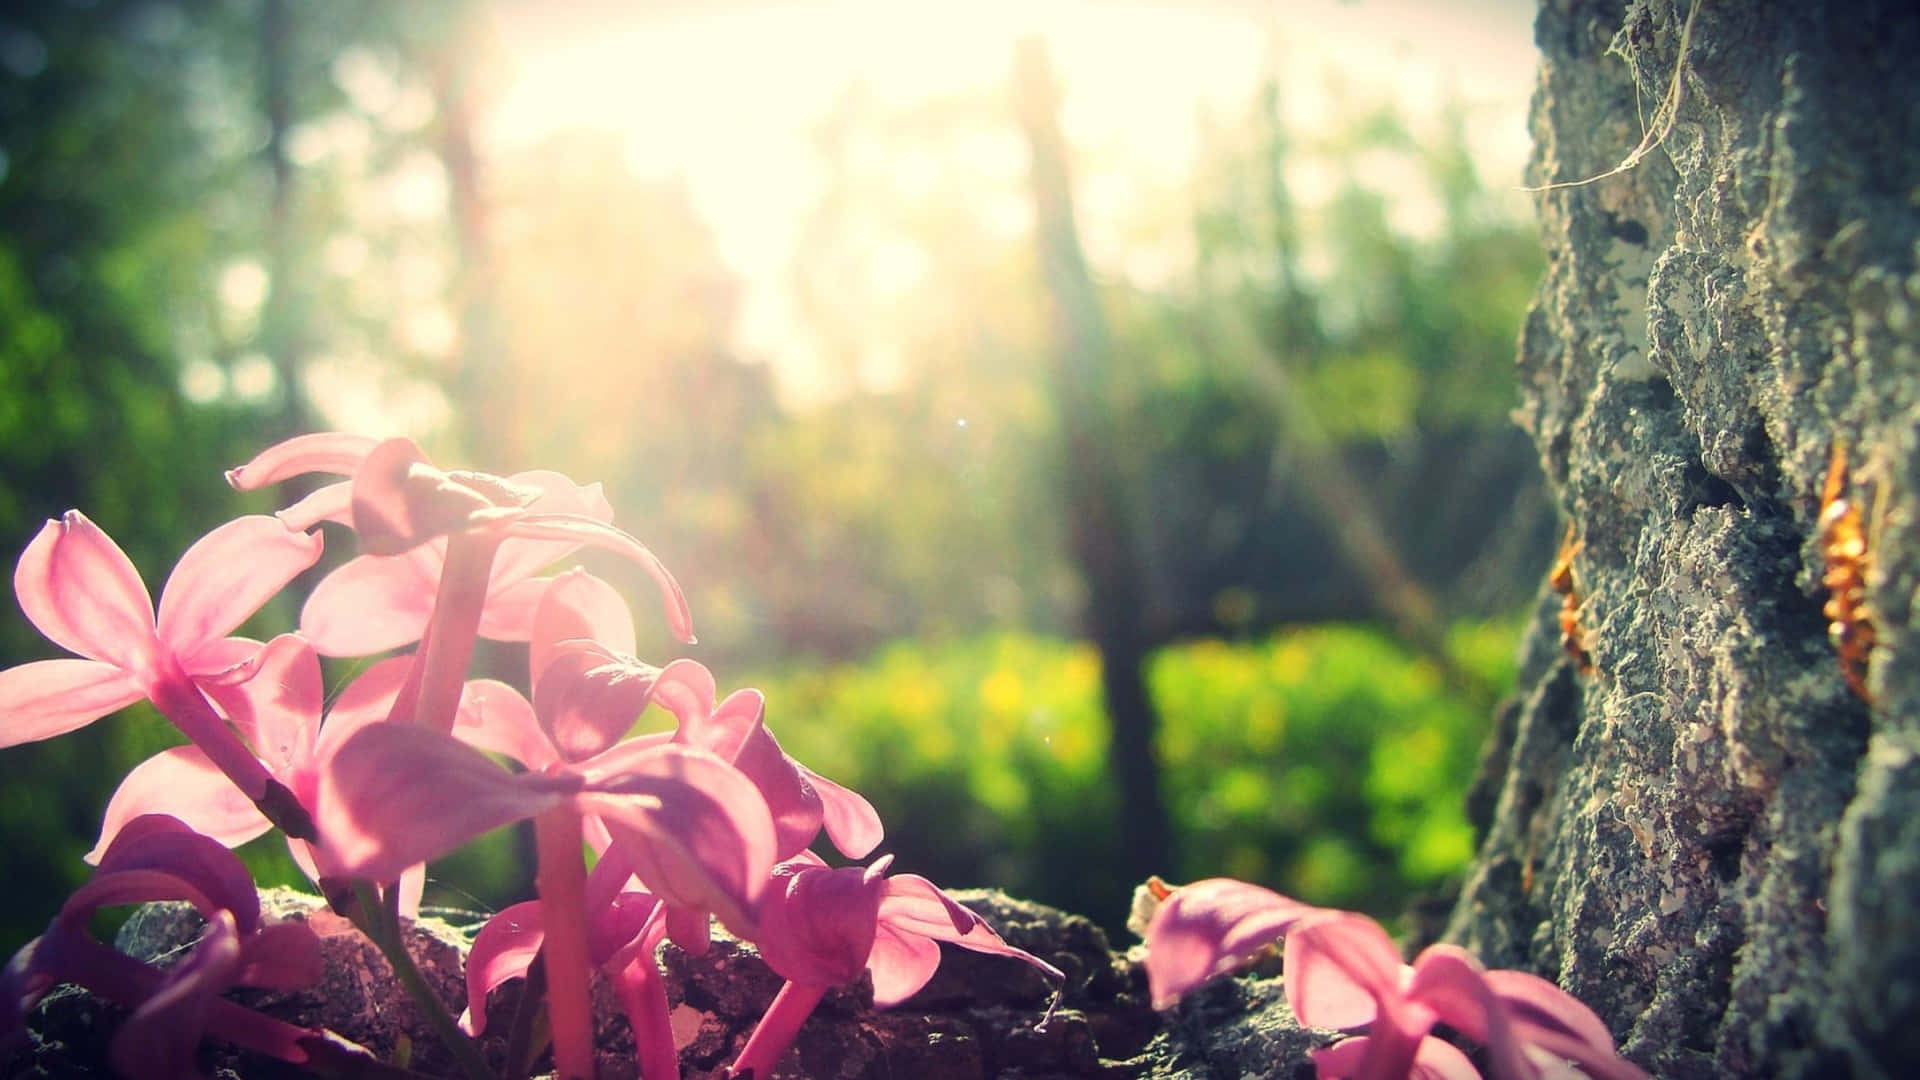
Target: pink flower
{"type": "Point", "coordinates": [624, 927]}
{"type": "Point", "coordinates": [397, 501]}
{"type": "Point", "coordinates": [1343, 972]}
{"type": "Point", "coordinates": [697, 829]}
{"type": "Point", "coordinates": [1209, 928]}
{"type": "Point", "coordinates": [587, 683]}
{"type": "Point", "coordinates": [403, 509]}
{"type": "Point", "coordinates": [693, 827]}
{"type": "Point", "coordinates": [275, 701]}
{"type": "Point", "coordinates": [81, 590]}
{"type": "Point", "coordinates": [822, 927]}
{"type": "Point", "coordinates": [158, 858]}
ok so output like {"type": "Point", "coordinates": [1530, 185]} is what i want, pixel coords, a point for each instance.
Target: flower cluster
{"type": "Point", "coordinates": [710, 820]}
{"type": "Point", "coordinates": [1343, 972]}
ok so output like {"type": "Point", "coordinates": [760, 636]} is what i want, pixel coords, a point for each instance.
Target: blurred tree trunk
{"type": "Point", "coordinates": [480, 388]}
{"type": "Point", "coordinates": [281, 332]}
{"type": "Point", "coordinates": [1100, 520]}
{"type": "Point", "coordinates": [1710, 838]}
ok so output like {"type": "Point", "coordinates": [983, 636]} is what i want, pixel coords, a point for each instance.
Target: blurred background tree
{"type": "Point", "coordinates": [223, 223]}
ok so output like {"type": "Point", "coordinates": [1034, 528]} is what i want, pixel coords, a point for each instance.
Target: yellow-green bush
{"type": "Point", "coordinates": [1325, 761]}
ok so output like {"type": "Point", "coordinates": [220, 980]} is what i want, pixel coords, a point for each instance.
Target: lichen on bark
{"type": "Point", "coordinates": [1710, 839]}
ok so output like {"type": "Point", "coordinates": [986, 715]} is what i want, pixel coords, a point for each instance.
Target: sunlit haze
{"type": "Point", "coordinates": [726, 97]}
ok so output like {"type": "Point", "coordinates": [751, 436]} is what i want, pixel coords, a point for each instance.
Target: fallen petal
{"type": "Point", "coordinates": [1342, 969]}
{"type": "Point", "coordinates": [1209, 928]}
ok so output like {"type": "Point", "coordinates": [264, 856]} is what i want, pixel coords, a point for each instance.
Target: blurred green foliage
{"type": "Point", "coordinates": [1327, 762]}
{"type": "Point", "coordinates": [869, 551]}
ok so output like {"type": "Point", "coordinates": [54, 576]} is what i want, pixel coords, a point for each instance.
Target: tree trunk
{"type": "Point", "coordinates": [1711, 838]}
{"type": "Point", "coordinates": [282, 331]}
{"type": "Point", "coordinates": [1100, 520]}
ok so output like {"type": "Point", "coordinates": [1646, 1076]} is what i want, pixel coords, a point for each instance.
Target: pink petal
{"type": "Point", "coordinates": [162, 1037]}
{"type": "Point", "coordinates": [731, 725]}
{"type": "Point", "coordinates": [691, 928]}
{"type": "Point", "coordinates": [334, 503]}
{"type": "Point", "coordinates": [45, 698]}
{"type": "Point", "coordinates": [901, 963]}
{"type": "Point", "coordinates": [1538, 1004]}
{"type": "Point", "coordinates": [1342, 970]}
{"type": "Point", "coordinates": [583, 530]}
{"type": "Point", "coordinates": [503, 949]}
{"type": "Point", "coordinates": [852, 823]}
{"type": "Point", "coordinates": [1438, 1059]}
{"type": "Point", "coordinates": [508, 614]}
{"type": "Point", "coordinates": [1341, 1060]}
{"type": "Point", "coordinates": [159, 844]}
{"type": "Point", "coordinates": [521, 559]}
{"type": "Point", "coordinates": [917, 906]}
{"type": "Point", "coordinates": [494, 717]}
{"type": "Point", "coordinates": [1545, 1017]}
{"type": "Point", "coordinates": [137, 885]}
{"type": "Point", "coordinates": [325, 452]}
{"type": "Point", "coordinates": [741, 737]}
{"type": "Point", "coordinates": [222, 660]}
{"type": "Point", "coordinates": [1433, 1059]}
{"type": "Point", "coordinates": [1207, 929]}
{"type": "Point", "coordinates": [686, 689]}
{"type": "Point", "coordinates": [700, 835]}
{"type": "Point", "coordinates": [400, 500]}
{"type": "Point", "coordinates": [1452, 983]}
{"type": "Point", "coordinates": [366, 700]}
{"type": "Point", "coordinates": [372, 603]}
{"type": "Point", "coordinates": [625, 931]}
{"type": "Point", "coordinates": [278, 706]}
{"type": "Point", "coordinates": [587, 698]}
{"type": "Point", "coordinates": [183, 784]}
{"type": "Point", "coordinates": [818, 925]}
{"type": "Point", "coordinates": [227, 575]}
{"type": "Point", "coordinates": [399, 794]}
{"type": "Point", "coordinates": [576, 605]}
{"type": "Point", "coordinates": [82, 591]}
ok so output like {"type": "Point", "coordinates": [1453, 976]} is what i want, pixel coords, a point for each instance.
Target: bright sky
{"type": "Point", "coordinates": [724, 94]}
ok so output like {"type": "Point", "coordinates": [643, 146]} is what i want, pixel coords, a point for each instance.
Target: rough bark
{"type": "Point", "coordinates": [1710, 838]}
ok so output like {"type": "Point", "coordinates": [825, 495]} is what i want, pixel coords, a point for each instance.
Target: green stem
{"type": "Point", "coordinates": [378, 918]}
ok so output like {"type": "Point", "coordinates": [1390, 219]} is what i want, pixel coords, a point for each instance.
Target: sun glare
{"type": "Point", "coordinates": [729, 98]}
